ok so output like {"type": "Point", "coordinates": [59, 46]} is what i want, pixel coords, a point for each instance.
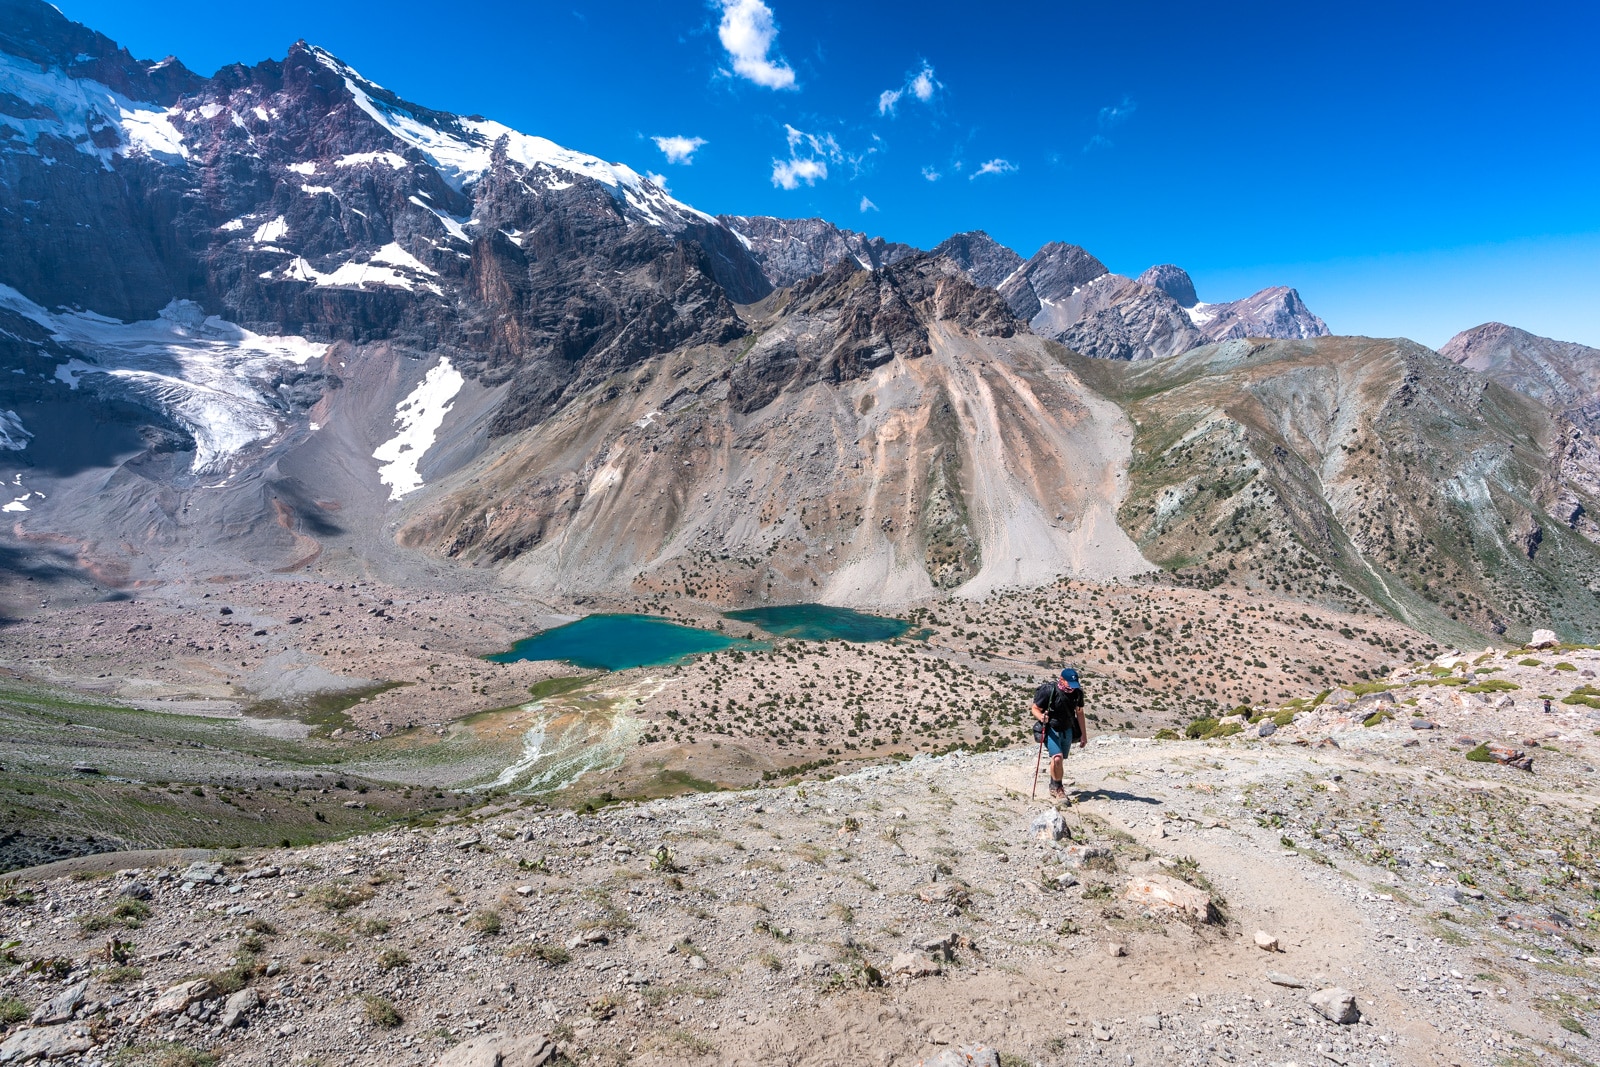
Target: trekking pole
{"type": "Point", "coordinates": [1038, 760]}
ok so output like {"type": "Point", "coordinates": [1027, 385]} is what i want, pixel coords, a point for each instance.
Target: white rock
{"type": "Point", "coordinates": [1266, 942]}
{"type": "Point", "coordinates": [1336, 1005]}
{"type": "Point", "coordinates": [1048, 826]}
{"type": "Point", "coordinates": [1543, 639]}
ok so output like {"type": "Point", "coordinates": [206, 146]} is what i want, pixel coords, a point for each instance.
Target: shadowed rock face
{"type": "Point", "coordinates": [1174, 281]}
{"type": "Point", "coordinates": [985, 260]}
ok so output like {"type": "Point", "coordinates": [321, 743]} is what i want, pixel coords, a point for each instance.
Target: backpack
{"type": "Point", "coordinates": [1060, 707]}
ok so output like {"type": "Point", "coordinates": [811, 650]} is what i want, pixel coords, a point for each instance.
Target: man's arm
{"type": "Point", "coordinates": [1038, 713]}
{"type": "Point", "coordinates": [1083, 728]}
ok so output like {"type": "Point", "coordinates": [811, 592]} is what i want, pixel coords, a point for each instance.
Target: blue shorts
{"type": "Point", "coordinates": [1058, 739]}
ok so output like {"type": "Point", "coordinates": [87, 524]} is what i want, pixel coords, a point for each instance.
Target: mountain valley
{"type": "Point", "coordinates": [313, 398]}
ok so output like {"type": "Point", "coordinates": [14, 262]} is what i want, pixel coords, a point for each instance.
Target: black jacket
{"type": "Point", "coordinates": [1060, 706]}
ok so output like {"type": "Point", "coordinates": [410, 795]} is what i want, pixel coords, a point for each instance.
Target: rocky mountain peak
{"type": "Point", "coordinates": [1053, 273]}
{"type": "Point", "coordinates": [986, 261]}
{"type": "Point", "coordinates": [1564, 374]}
{"type": "Point", "coordinates": [1172, 280]}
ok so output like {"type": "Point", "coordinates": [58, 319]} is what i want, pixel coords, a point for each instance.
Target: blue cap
{"type": "Point", "coordinates": [1070, 676]}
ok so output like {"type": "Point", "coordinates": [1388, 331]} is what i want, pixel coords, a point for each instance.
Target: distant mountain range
{"type": "Point", "coordinates": [277, 314]}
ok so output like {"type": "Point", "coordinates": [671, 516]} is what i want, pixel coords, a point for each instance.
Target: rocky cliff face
{"type": "Point", "coordinates": [881, 435]}
{"type": "Point", "coordinates": [985, 260]}
{"type": "Point", "coordinates": [791, 250]}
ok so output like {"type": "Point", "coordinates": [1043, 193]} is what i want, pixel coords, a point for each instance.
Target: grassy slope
{"type": "Point", "coordinates": [1351, 470]}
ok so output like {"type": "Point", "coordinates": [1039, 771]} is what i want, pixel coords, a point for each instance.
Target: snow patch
{"type": "Point", "coordinates": [348, 274]}
{"type": "Point", "coordinates": [76, 110]}
{"type": "Point", "coordinates": [450, 222]}
{"type": "Point", "coordinates": [232, 225]}
{"type": "Point", "coordinates": [419, 417]}
{"type": "Point", "coordinates": [308, 168]}
{"type": "Point", "coordinates": [313, 190]}
{"type": "Point", "coordinates": [269, 232]}
{"type": "Point", "coordinates": [394, 255]}
{"type": "Point", "coordinates": [1201, 313]}
{"type": "Point", "coordinates": [361, 159]}
{"type": "Point", "coordinates": [17, 504]}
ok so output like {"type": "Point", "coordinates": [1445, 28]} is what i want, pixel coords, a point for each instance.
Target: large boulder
{"type": "Point", "coordinates": [1543, 639]}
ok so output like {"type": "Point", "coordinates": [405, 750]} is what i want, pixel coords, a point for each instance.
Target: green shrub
{"type": "Point", "coordinates": [1565, 666]}
{"type": "Point", "coordinates": [1480, 754]}
{"type": "Point", "coordinates": [13, 1010]}
{"type": "Point", "coordinates": [1166, 735]}
{"type": "Point", "coordinates": [1199, 728]}
{"type": "Point", "coordinates": [485, 922]}
{"type": "Point", "coordinates": [339, 898]}
{"type": "Point", "coordinates": [1227, 730]}
{"type": "Point", "coordinates": [1377, 717]}
{"type": "Point", "coordinates": [391, 958]}
{"type": "Point", "coordinates": [382, 1013]}
{"type": "Point", "coordinates": [1530, 662]}
{"type": "Point", "coordinates": [1284, 717]}
{"type": "Point", "coordinates": [1573, 1026]}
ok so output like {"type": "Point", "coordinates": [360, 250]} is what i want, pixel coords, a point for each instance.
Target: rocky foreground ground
{"type": "Point", "coordinates": [1444, 903]}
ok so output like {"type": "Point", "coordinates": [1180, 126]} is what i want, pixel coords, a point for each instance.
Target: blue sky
{"type": "Point", "coordinates": [1413, 169]}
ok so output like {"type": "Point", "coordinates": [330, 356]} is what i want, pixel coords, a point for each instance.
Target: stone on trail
{"type": "Point", "coordinates": [1081, 855]}
{"type": "Point", "coordinates": [914, 964]}
{"type": "Point", "coordinates": [1048, 826]}
{"type": "Point", "coordinates": [1266, 942]}
{"type": "Point", "coordinates": [501, 1050]}
{"type": "Point", "coordinates": [1336, 1005]}
{"type": "Point", "coordinates": [1116, 950]}
{"type": "Point", "coordinates": [176, 998]}
{"type": "Point", "coordinates": [962, 1056]}
{"type": "Point", "coordinates": [1288, 981]}
{"type": "Point", "coordinates": [60, 1007]}
{"type": "Point", "coordinates": [1509, 756]}
{"type": "Point", "coordinates": [942, 893]}
{"type": "Point", "coordinates": [1543, 639]}
{"type": "Point", "coordinates": [45, 1043]}
{"type": "Point", "coordinates": [1169, 897]}
{"type": "Point", "coordinates": [238, 1006]}
{"type": "Point", "coordinates": [1267, 728]}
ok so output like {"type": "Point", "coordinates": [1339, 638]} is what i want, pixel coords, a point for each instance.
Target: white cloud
{"type": "Point", "coordinates": [789, 173]}
{"type": "Point", "coordinates": [994, 166]}
{"type": "Point", "coordinates": [809, 156]}
{"type": "Point", "coordinates": [659, 179]}
{"type": "Point", "coordinates": [679, 149]}
{"type": "Point", "coordinates": [930, 173]}
{"type": "Point", "coordinates": [921, 84]}
{"type": "Point", "coordinates": [1116, 114]}
{"type": "Point", "coordinates": [748, 32]}
{"type": "Point", "coordinates": [867, 205]}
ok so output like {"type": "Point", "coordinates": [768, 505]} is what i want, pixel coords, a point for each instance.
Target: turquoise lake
{"type": "Point", "coordinates": [617, 642]}
{"type": "Point", "coordinates": [819, 622]}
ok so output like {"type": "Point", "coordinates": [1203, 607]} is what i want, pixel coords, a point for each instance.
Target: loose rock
{"type": "Point", "coordinates": [1336, 1005]}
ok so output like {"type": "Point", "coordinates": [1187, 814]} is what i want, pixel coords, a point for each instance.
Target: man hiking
{"type": "Point", "coordinates": [1058, 707]}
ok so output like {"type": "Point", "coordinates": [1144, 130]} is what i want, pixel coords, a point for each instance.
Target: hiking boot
{"type": "Point", "coordinates": [1057, 789]}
